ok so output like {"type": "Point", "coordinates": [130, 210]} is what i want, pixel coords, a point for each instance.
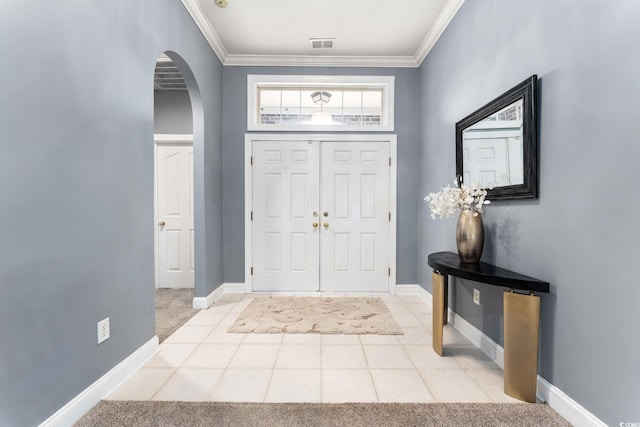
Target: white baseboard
{"type": "Point", "coordinates": [493, 350]}
{"type": "Point", "coordinates": [414, 290]}
{"type": "Point", "coordinates": [87, 399]}
{"type": "Point", "coordinates": [564, 405]}
{"type": "Point", "coordinates": [234, 288]}
{"type": "Point", "coordinates": [202, 303]}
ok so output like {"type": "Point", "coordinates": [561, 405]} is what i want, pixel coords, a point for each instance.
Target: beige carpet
{"type": "Point", "coordinates": [174, 307]}
{"type": "Point", "coordinates": [161, 414]}
{"type": "Point", "coordinates": [319, 315]}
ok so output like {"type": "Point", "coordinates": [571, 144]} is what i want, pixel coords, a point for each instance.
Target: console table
{"type": "Point", "coordinates": [521, 313]}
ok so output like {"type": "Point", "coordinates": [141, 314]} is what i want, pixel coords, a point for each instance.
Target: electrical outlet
{"type": "Point", "coordinates": [103, 330]}
{"type": "Point", "coordinates": [476, 297]}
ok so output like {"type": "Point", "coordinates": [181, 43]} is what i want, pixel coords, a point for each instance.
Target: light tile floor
{"type": "Point", "coordinates": [202, 362]}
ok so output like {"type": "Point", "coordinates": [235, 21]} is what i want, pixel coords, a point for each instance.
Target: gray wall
{"type": "Point", "coordinates": [172, 112]}
{"type": "Point", "coordinates": [235, 127]}
{"type": "Point", "coordinates": [581, 235]}
{"type": "Point", "coordinates": [76, 188]}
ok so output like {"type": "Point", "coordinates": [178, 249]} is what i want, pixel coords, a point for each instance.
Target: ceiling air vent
{"type": "Point", "coordinates": [322, 43]}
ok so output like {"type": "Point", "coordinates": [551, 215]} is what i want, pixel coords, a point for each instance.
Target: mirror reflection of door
{"type": "Point", "coordinates": [493, 150]}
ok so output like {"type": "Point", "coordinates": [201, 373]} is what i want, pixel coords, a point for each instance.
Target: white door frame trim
{"type": "Point", "coordinates": [250, 138]}
{"type": "Point", "coordinates": [162, 139]}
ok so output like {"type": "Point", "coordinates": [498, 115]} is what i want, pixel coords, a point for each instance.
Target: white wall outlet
{"type": "Point", "coordinates": [103, 330]}
{"type": "Point", "coordinates": [476, 297]}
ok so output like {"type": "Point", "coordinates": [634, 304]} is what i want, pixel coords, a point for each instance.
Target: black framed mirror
{"type": "Point", "coordinates": [498, 144]}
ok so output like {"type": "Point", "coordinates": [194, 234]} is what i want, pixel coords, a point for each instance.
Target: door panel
{"type": "Point", "coordinates": [285, 196]}
{"type": "Point", "coordinates": [354, 245]}
{"type": "Point", "coordinates": [175, 210]}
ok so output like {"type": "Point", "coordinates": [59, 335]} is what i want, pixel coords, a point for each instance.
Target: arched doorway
{"type": "Point", "coordinates": [173, 143]}
{"type": "Point", "coordinates": [174, 182]}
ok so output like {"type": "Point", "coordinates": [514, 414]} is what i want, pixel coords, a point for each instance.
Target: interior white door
{"type": "Point", "coordinates": [285, 216]}
{"type": "Point", "coordinates": [174, 198]}
{"type": "Point", "coordinates": [354, 200]}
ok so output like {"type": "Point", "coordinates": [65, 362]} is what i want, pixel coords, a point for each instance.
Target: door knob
{"type": "Point", "coordinates": [315, 225]}
{"type": "Point", "coordinates": [315, 214]}
{"type": "Point", "coordinates": [326, 214]}
{"type": "Point", "coordinates": [326, 225]}
{"type": "Point", "coordinates": [161, 223]}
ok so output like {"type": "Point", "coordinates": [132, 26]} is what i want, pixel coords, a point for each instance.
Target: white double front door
{"type": "Point", "coordinates": [321, 216]}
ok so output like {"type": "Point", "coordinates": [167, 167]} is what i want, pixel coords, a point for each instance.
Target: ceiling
{"type": "Point", "coordinates": [365, 32]}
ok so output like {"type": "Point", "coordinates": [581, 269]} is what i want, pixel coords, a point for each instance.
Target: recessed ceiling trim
{"type": "Point", "coordinates": [449, 11]}
{"type": "Point", "coordinates": [227, 59]}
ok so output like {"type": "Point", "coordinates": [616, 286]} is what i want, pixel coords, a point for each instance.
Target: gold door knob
{"type": "Point", "coordinates": [326, 225]}
{"type": "Point", "coordinates": [161, 223]}
{"type": "Point", "coordinates": [315, 225]}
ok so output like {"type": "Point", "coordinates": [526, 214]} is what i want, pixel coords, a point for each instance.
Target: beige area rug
{"type": "Point", "coordinates": [316, 315]}
{"type": "Point", "coordinates": [157, 414]}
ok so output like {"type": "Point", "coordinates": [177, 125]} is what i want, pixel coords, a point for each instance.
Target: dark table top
{"type": "Point", "coordinates": [449, 263]}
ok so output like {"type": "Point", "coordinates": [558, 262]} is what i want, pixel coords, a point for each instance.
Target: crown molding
{"type": "Point", "coordinates": [227, 59]}
{"type": "Point", "coordinates": [207, 30]}
{"type": "Point", "coordinates": [449, 11]}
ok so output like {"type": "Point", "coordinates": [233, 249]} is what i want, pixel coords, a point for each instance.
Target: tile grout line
{"type": "Point", "coordinates": [420, 374]}
{"type": "Point", "coordinates": [224, 370]}
{"type": "Point", "coordinates": [273, 369]}
{"type": "Point", "coordinates": [479, 386]}
{"type": "Point", "coordinates": [373, 382]}
{"type": "Point", "coordinates": [321, 370]}
{"type": "Point", "coordinates": [176, 369]}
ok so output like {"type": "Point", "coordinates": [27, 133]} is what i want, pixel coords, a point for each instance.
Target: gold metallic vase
{"type": "Point", "coordinates": [470, 236]}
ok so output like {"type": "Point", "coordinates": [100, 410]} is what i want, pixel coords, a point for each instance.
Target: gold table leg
{"type": "Point", "coordinates": [521, 334]}
{"type": "Point", "coordinates": [439, 294]}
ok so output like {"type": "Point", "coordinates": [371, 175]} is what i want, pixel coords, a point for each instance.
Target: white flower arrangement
{"type": "Point", "coordinates": [450, 200]}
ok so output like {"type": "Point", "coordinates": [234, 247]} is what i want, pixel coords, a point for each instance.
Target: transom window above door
{"type": "Point", "coordinates": [320, 103]}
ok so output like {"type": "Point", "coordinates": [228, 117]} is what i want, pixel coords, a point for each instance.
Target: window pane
{"type": "Point", "coordinates": [352, 112]}
{"type": "Point", "coordinates": [333, 108]}
{"type": "Point", "coordinates": [352, 99]}
{"type": "Point", "coordinates": [307, 106]}
{"type": "Point", "coordinates": [371, 107]}
{"type": "Point", "coordinates": [270, 98]}
{"type": "Point", "coordinates": [290, 98]}
{"type": "Point", "coordinates": [270, 106]}
{"type": "Point", "coordinates": [306, 100]}
{"type": "Point", "coordinates": [291, 106]}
